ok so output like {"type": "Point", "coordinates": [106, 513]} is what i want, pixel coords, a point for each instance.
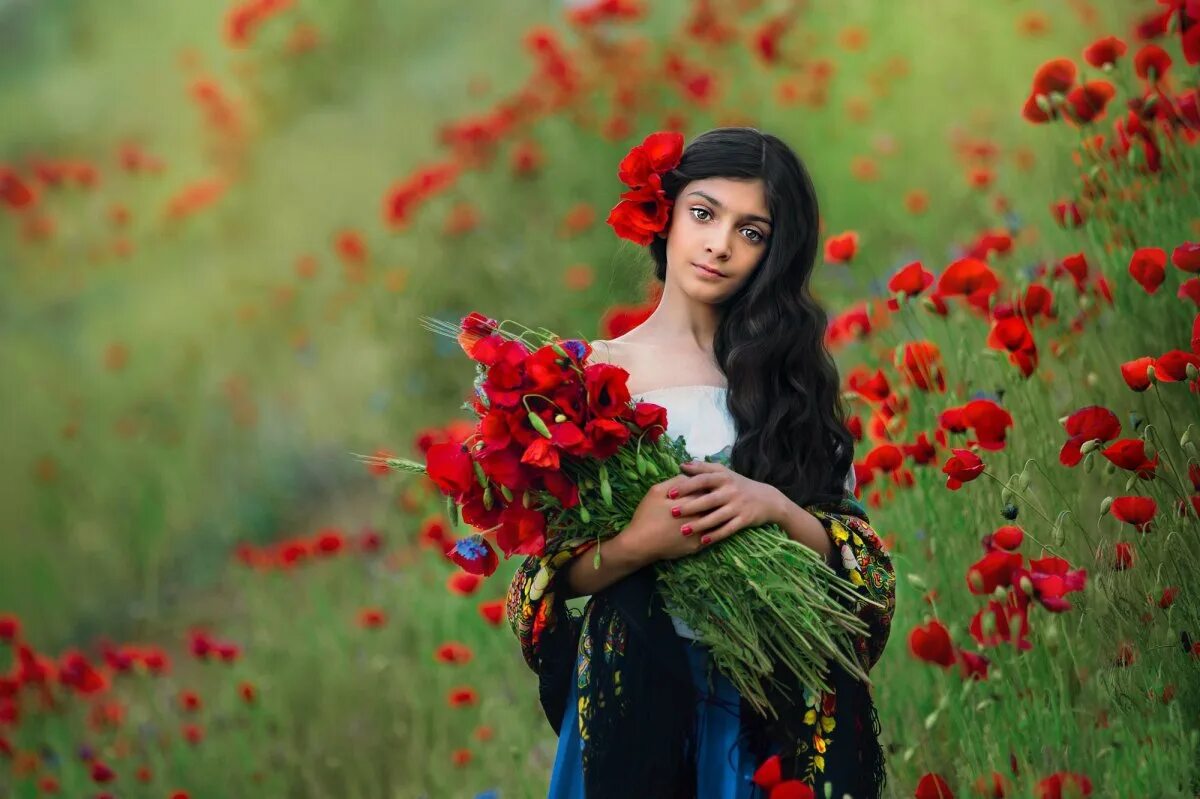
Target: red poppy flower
{"type": "Point", "coordinates": [1052, 578]}
{"type": "Point", "coordinates": [101, 773]}
{"type": "Point", "coordinates": [1172, 366]}
{"type": "Point", "coordinates": [1147, 267]}
{"type": "Point", "coordinates": [1056, 75]}
{"type": "Point", "coordinates": [1013, 335]}
{"type": "Point", "coordinates": [962, 467]}
{"type": "Point", "coordinates": [1008, 537]}
{"type": "Point", "coordinates": [1190, 290]}
{"type": "Point", "coordinates": [463, 583]}
{"type": "Point", "coordinates": [371, 618]}
{"type": "Point", "coordinates": [1138, 511]}
{"type": "Point", "coordinates": [659, 152]}
{"type": "Point", "coordinates": [607, 389]}
{"type": "Point", "coordinates": [842, 248]}
{"type": "Point", "coordinates": [972, 666]}
{"type": "Point", "coordinates": [1123, 556]}
{"type": "Point", "coordinates": [462, 696]}
{"type": "Point", "coordinates": [449, 466]}
{"type": "Point", "coordinates": [642, 213]}
{"type": "Point", "coordinates": [933, 786]}
{"type": "Point", "coordinates": [474, 555]}
{"type": "Point", "coordinates": [871, 387]}
{"type": "Point", "coordinates": [492, 611]}
{"type": "Point", "coordinates": [651, 418]}
{"type": "Point", "coordinates": [10, 628]}
{"type": "Point", "coordinates": [522, 531]}
{"type": "Point", "coordinates": [1087, 424]}
{"type": "Point", "coordinates": [1104, 51]}
{"type": "Point", "coordinates": [970, 278]}
{"type": "Point", "coordinates": [1077, 786]}
{"type": "Point", "coordinates": [1088, 102]}
{"type": "Point", "coordinates": [932, 644]}
{"type": "Point", "coordinates": [1130, 454]}
{"type": "Point", "coordinates": [1067, 214]}
{"type": "Point", "coordinates": [919, 363]}
{"type": "Point", "coordinates": [993, 570]}
{"type": "Point", "coordinates": [1135, 373]}
{"type": "Point", "coordinates": [453, 652]}
{"type": "Point", "coordinates": [1002, 615]}
{"type": "Point", "coordinates": [885, 458]}
{"type": "Point", "coordinates": [1187, 256]}
{"type": "Point", "coordinates": [189, 701]}
{"type": "Point", "coordinates": [912, 280]}
{"type": "Point", "coordinates": [1151, 63]}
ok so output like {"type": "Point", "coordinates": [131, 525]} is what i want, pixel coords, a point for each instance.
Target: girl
{"type": "Point", "coordinates": [735, 352]}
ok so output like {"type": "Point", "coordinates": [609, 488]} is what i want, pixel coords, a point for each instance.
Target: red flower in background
{"type": "Point", "coordinates": [1138, 511]}
{"type": "Point", "coordinates": [1135, 373]}
{"type": "Point", "coordinates": [1104, 51]}
{"type": "Point", "coordinates": [842, 248]}
{"type": "Point", "coordinates": [1094, 422]}
{"type": "Point", "coordinates": [1148, 268]}
{"type": "Point", "coordinates": [932, 644]}
{"type": "Point", "coordinates": [962, 467]}
{"type": "Point", "coordinates": [474, 555]}
{"type": "Point", "coordinates": [1187, 256]}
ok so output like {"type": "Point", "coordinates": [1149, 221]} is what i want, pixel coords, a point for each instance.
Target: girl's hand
{"type": "Point", "coordinates": [722, 500]}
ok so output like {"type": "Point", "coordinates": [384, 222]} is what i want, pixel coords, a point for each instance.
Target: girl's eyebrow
{"type": "Point", "coordinates": [716, 202]}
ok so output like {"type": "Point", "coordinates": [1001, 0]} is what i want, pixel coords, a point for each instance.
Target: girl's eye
{"type": "Point", "coordinates": [759, 239]}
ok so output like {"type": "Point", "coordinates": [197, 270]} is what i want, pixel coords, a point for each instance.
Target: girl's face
{"type": "Point", "coordinates": [722, 224]}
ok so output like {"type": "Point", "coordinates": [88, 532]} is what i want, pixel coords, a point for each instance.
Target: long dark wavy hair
{"type": "Point", "coordinates": [784, 391]}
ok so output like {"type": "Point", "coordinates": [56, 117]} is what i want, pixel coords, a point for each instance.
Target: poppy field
{"type": "Point", "coordinates": [220, 223]}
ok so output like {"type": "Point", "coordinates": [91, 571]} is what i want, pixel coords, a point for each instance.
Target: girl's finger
{"type": "Point", "coordinates": [698, 505]}
{"type": "Point", "coordinates": [721, 533]}
{"type": "Point", "coordinates": [711, 522]}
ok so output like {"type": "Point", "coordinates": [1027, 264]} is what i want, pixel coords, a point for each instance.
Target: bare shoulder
{"type": "Point", "coordinates": [615, 352]}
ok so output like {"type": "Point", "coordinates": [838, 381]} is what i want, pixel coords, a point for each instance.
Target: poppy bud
{"type": "Point", "coordinates": [1089, 445]}
{"type": "Point", "coordinates": [536, 422]}
{"type": "Point", "coordinates": [916, 581]}
{"type": "Point", "coordinates": [975, 580]}
{"type": "Point", "coordinates": [1026, 585]}
{"type": "Point", "coordinates": [605, 488]}
{"type": "Point", "coordinates": [506, 493]}
{"type": "Point", "coordinates": [560, 417]}
{"type": "Point", "coordinates": [1043, 103]}
{"type": "Point", "coordinates": [1191, 371]}
{"type": "Point", "coordinates": [487, 497]}
{"type": "Point", "coordinates": [1105, 504]}
{"type": "Point", "coordinates": [452, 511]}
{"type": "Point", "coordinates": [1089, 462]}
{"type": "Point", "coordinates": [652, 469]}
{"type": "Point", "coordinates": [988, 624]}
{"type": "Point", "coordinates": [1000, 593]}
{"type": "Point", "coordinates": [1092, 379]}
{"type": "Point", "coordinates": [479, 475]}
{"type": "Point", "coordinates": [641, 464]}
{"type": "Point", "coordinates": [584, 515]}
{"type": "Point", "coordinates": [596, 559]}
{"type": "Point", "coordinates": [525, 500]}
{"type": "Point", "coordinates": [1023, 479]}
{"type": "Point", "coordinates": [1151, 374]}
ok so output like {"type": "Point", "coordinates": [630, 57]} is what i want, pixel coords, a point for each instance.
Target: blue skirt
{"type": "Point", "coordinates": [724, 766]}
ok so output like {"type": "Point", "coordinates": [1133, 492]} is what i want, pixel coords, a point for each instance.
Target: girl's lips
{"type": "Point", "coordinates": [708, 272]}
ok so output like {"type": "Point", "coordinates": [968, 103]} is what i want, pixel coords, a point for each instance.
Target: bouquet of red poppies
{"type": "Point", "coordinates": [561, 455]}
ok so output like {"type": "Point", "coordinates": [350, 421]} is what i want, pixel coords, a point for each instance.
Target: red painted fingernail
{"type": "Point", "coordinates": [674, 492]}
{"type": "Point", "coordinates": [686, 529]}
{"type": "Point", "coordinates": [705, 540]}
{"type": "Point", "coordinates": [676, 512]}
